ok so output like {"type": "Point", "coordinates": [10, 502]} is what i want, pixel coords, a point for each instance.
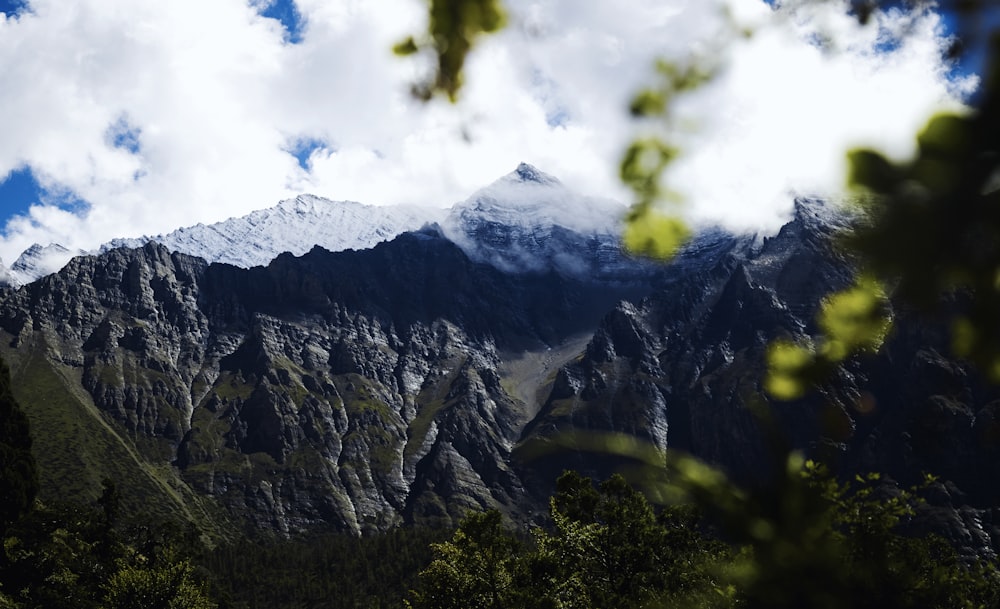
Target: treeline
{"type": "Point", "coordinates": [322, 570]}
{"type": "Point", "coordinates": [81, 557]}
{"type": "Point", "coordinates": [608, 547]}
{"type": "Point", "coordinates": [604, 546]}
{"type": "Point", "coordinates": [93, 557]}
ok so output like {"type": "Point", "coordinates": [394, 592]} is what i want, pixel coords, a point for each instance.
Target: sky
{"type": "Point", "coordinates": [121, 118]}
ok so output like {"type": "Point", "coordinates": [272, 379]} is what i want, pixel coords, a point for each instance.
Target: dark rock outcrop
{"type": "Point", "coordinates": [410, 382]}
{"type": "Point", "coordinates": [352, 388]}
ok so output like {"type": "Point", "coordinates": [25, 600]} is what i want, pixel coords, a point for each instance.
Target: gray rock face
{"type": "Point", "coordinates": [352, 389]}
{"type": "Point", "coordinates": [680, 369]}
{"type": "Point", "coordinates": [406, 383]}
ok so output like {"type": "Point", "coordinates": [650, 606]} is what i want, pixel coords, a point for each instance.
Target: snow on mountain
{"type": "Point", "coordinates": [530, 221]}
{"type": "Point", "coordinates": [39, 261]}
{"type": "Point", "coordinates": [294, 225]}
{"type": "Point", "coordinates": [6, 279]}
{"type": "Point", "coordinates": [525, 221]}
{"type": "Point", "coordinates": [530, 198]}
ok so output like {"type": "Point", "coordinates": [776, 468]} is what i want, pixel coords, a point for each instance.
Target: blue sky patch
{"type": "Point", "coordinates": [303, 147]}
{"type": "Point", "coordinates": [14, 8]}
{"type": "Point", "coordinates": [288, 14]}
{"type": "Point", "coordinates": [557, 118]}
{"type": "Point", "coordinates": [122, 134]}
{"type": "Point", "coordinates": [19, 191]}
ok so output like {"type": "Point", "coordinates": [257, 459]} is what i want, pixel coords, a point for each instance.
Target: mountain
{"type": "Point", "coordinates": [294, 225]}
{"type": "Point", "coordinates": [363, 386]}
{"type": "Point", "coordinates": [443, 370]}
{"type": "Point", "coordinates": [526, 220]}
{"type": "Point", "coordinates": [354, 389]}
{"type": "Point", "coordinates": [38, 261]}
{"type": "Point", "coordinates": [6, 279]}
{"type": "Point", "coordinates": [683, 368]}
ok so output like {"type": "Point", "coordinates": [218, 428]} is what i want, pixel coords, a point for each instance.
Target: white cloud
{"type": "Point", "coordinates": [217, 98]}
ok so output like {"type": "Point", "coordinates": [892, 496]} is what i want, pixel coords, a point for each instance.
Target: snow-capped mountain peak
{"type": "Point", "coordinates": [38, 261]}
{"type": "Point", "coordinates": [530, 221]}
{"type": "Point", "coordinates": [526, 220]}
{"type": "Point", "coordinates": [528, 197]}
{"type": "Point", "coordinates": [293, 225]}
{"type": "Point", "coordinates": [530, 173]}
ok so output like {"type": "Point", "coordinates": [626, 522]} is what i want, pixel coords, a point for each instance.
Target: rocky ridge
{"type": "Point", "coordinates": [294, 225]}
{"type": "Point", "coordinates": [407, 382]}
{"type": "Point", "coordinates": [681, 368]}
{"type": "Point", "coordinates": [504, 224]}
{"type": "Point", "coordinates": [352, 389]}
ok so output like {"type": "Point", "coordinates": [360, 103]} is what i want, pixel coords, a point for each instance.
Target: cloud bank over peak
{"type": "Point", "coordinates": [141, 117]}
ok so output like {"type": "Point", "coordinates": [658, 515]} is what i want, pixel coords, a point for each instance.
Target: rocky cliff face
{"type": "Point", "coordinates": [360, 389]}
{"type": "Point", "coordinates": [354, 389]}
{"type": "Point", "coordinates": [681, 368]}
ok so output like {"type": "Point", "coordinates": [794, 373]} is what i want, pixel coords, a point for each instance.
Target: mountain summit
{"type": "Point", "coordinates": [294, 225]}
{"type": "Point", "coordinates": [528, 198]}
{"type": "Point", "coordinates": [529, 173]}
{"type": "Point", "coordinates": [530, 221]}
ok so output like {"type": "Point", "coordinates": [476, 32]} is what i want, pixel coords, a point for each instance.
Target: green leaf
{"type": "Point", "coordinates": [854, 320]}
{"type": "Point", "coordinates": [786, 362]}
{"type": "Point", "coordinates": [868, 169]}
{"type": "Point", "coordinates": [655, 235]}
{"type": "Point", "coordinates": [648, 103]}
{"type": "Point", "coordinates": [406, 47]}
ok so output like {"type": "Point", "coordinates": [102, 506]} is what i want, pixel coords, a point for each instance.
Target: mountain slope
{"type": "Point", "coordinates": [682, 369]}
{"type": "Point", "coordinates": [352, 389]}
{"type": "Point", "coordinates": [294, 225]}
{"type": "Point", "coordinates": [417, 379]}
{"type": "Point", "coordinates": [526, 220]}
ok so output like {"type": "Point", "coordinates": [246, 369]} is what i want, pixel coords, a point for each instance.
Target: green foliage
{"type": "Point", "coordinates": [164, 587]}
{"type": "Point", "coordinates": [453, 27]}
{"type": "Point", "coordinates": [327, 570]}
{"type": "Point", "coordinates": [852, 321]}
{"type": "Point", "coordinates": [71, 556]}
{"type": "Point", "coordinates": [620, 550]}
{"type": "Point", "coordinates": [475, 570]}
{"type": "Point", "coordinates": [809, 540]}
{"type": "Point", "coordinates": [655, 235]}
{"type": "Point", "coordinates": [18, 476]}
{"type": "Point", "coordinates": [804, 540]}
{"type": "Point", "coordinates": [930, 232]}
{"type": "Point", "coordinates": [932, 225]}
{"type": "Point", "coordinates": [606, 547]}
{"type": "Point", "coordinates": [649, 231]}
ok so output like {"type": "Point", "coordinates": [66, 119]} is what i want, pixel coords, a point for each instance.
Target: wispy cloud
{"type": "Point", "coordinates": [163, 114]}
